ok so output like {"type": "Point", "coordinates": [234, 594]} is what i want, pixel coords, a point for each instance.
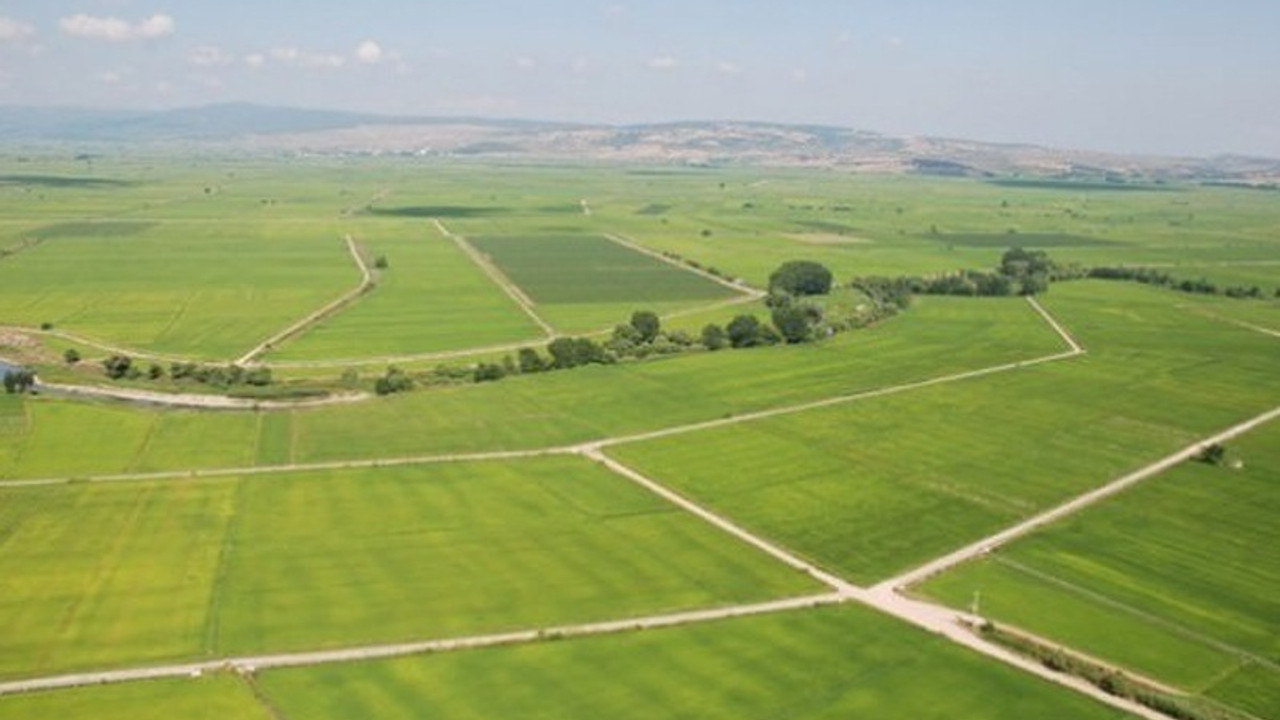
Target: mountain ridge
{"type": "Point", "coordinates": [264, 128]}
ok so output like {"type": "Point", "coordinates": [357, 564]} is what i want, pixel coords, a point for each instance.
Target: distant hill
{"type": "Point", "coordinates": [247, 127]}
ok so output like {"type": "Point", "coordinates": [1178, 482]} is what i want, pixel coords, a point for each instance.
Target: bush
{"type": "Point", "coordinates": [117, 366]}
{"type": "Point", "coordinates": [714, 337]}
{"type": "Point", "coordinates": [745, 331]}
{"type": "Point", "coordinates": [394, 381]}
{"type": "Point", "coordinates": [71, 356]}
{"type": "Point", "coordinates": [530, 361]}
{"type": "Point", "coordinates": [801, 277]}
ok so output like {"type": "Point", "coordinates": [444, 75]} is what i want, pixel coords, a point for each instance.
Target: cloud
{"type": "Point", "coordinates": [728, 68]}
{"type": "Point", "coordinates": [800, 75]}
{"type": "Point", "coordinates": [114, 29]}
{"type": "Point", "coordinates": [255, 60]}
{"type": "Point", "coordinates": [111, 77]}
{"type": "Point", "coordinates": [370, 53]}
{"type": "Point", "coordinates": [526, 63]}
{"type": "Point", "coordinates": [210, 56]}
{"type": "Point", "coordinates": [15, 31]}
{"type": "Point", "coordinates": [306, 59]}
{"type": "Point", "coordinates": [664, 62]}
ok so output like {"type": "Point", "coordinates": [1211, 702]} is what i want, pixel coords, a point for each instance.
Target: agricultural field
{"type": "Point", "coordinates": [151, 571]}
{"type": "Point", "coordinates": [1173, 578]}
{"type": "Point", "coordinates": [795, 483]}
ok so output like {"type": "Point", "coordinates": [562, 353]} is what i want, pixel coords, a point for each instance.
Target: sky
{"type": "Point", "coordinates": [1171, 77]}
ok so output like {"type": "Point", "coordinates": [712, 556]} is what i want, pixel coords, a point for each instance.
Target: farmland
{"type": "Point", "coordinates": [797, 475]}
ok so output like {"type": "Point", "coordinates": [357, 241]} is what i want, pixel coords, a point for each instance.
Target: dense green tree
{"type": "Point", "coordinates": [744, 331]}
{"type": "Point", "coordinates": [796, 322]}
{"type": "Point", "coordinates": [19, 380]}
{"type": "Point", "coordinates": [646, 324]}
{"type": "Point", "coordinates": [117, 366]}
{"type": "Point", "coordinates": [488, 372]}
{"type": "Point", "coordinates": [395, 380]}
{"type": "Point", "coordinates": [155, 371]}
{"type": "Point", "coordinates": [714, 337]}
{"type": "Point", "coordinates": [530, 361]}
{"type": "Point", "coordinates": [801, 277]}
{"type": "Point", "coordinates": [71, 356]}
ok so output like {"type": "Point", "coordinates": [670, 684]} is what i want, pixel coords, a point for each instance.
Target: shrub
{"type": "Point", "coordinates": [801, 277]}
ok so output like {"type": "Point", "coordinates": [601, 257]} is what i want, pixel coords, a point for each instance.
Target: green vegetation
{"type": "Point", "coordinates": [833, 662]}
{"type": "Point", "coordinates": [591, 269]}
{"type": "Point", "coordinates": [149, 571]}
{"type": "Point", "coordinates": [1169, 578]}
{"type": "Point", "coordinates": [216, 697]}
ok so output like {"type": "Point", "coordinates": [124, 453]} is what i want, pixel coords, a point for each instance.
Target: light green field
{"type": "Point", "coordinates": [104, 575]}
{"type": "Point", "coordinates": [1175, 578]}
{"type": "Point", "coordinates": [431, 298]}
{"type": "Point", "coordinates": [876, 487]}
{"type": "Point", "coordinates": [215, 697]}
{"type": "Point", "coordinates": [206, 291]}
{"type": "Point", "coordinates": [828, 663]}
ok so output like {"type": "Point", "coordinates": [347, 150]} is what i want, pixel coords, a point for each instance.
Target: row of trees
{"type": "Point", "coordinates": [122, 367]}
{"type": "Point", "coordinates": [1152, 276]}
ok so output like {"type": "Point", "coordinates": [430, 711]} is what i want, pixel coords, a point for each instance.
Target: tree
{"type": "Point", "coordinates": [744, 331]}
{"type": "Point", "coordinates": [261, 377]}
{"type": "Point", "coordinates": [714, 337]}
{"type": "Point", "coordinates": [572, 352]}
{"type": "Point", "coordinates": [71, 355]}
{"type": "Point", "coordinates": [801, 277]}
{"type": "Point", "coordinates": [795, 322]}
{"type": "Point", "coordinates": [530, 361]}
{"type": "Point", "coordinates": [488, 372]}
{"type": "Point", "coordinates": [117, 366]}
{"type": "Point", "coordinates": [155, 372]}
{"type": "Point", "coordinates": [646, 324]}
{"type": "Point", "coordinates": [19, 380]}
{"type": "Point", "coordinates": [381, 262]}
{"type": "Point", "coordinates": [394, 381]}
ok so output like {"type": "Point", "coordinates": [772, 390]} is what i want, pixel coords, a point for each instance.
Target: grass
{"type": "Point", "coordinates": [104, 575]}
{"type": "Point", "coordinates": [213, 697]}
{"type": "Point", "coordinates": [826, 663]}
{"type": "Point", "coordinates": [875, 487]}
{"type": "Point", "coordinates": [1169, 578]}
{"type": "Point", "coordinates": [431, 298]}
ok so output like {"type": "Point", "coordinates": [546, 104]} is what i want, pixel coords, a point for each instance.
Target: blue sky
{"type": "Point", "coordinates": [1171, 77]}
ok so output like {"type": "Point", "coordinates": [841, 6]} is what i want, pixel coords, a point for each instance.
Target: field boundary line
{"type": "Point", "coordinates": [1206, 313]}
{"type": "Point", "coordinates": [1070, 507]}
{"type": "Point", "coordinates": [99, 345]}
{"type": "Point", "coordinates": [1057, 326]}
{"type": "Point", "coordinates": [500, 278]}
{"type": "Point", "coordinates": [350, 296]}
{"type": "Point", "coordinates": [249, 664]}
{"type": "Point", "coordinates": [192, 400]}
{"type": "Point", "coordinates": [1175, 627]}
{"type": "Point", "coordinates": [753, 293]}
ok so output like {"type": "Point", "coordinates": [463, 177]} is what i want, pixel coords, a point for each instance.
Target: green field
{"type": "Point", "coordinates": [938, 337]}
{"type": "Point", "coordinates": [875, 487]}
{"type": "Point", "coordinates": [431, 298]}
{"type": "Point", "coordinates": [828, 663]}
{"type": "Point", "coordinates": [1175, 578]}
{"type": "Point", "coordinates": [210, 698]}
{"type": "Point", "coordinates": [199, 290]}
{"type": "Point", "coordinates": [103, 575]}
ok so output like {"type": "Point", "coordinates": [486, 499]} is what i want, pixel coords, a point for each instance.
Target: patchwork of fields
{"type": "Point", "coordinates": [141, 537]}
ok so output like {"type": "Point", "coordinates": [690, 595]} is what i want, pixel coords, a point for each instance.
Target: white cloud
{"type": "Point", "coordinates": [110, 77]}
{"type": "Point", "coordinates": [895, 41]}
{"type": "Point", "coordinates": [210, 56]}
{"type": "Point", "coordinates": [370, 53]}
{"type": "Point", "coordinates": [728, 68]}
{"type": "Point", "coordinates": [13, 30]}
{"type": "Point", "coordinates": [307, 59]}
{"type": "Point", "coordinates": [155, 26]}
{"type": "Point", "coordinates": [255, 60]}
{"type": "Point", "coordinates": [526, 63]}
{"type": "Point", "coordinates": [800, 75]}
{"type": "Point", "coordinates": [116, 30]}
{"type": "Point", "coordinates": [664, 62]}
